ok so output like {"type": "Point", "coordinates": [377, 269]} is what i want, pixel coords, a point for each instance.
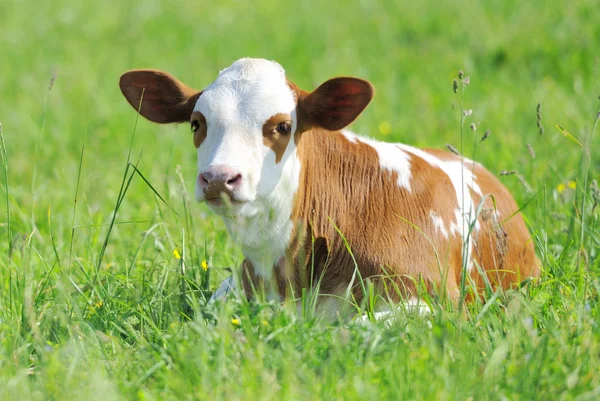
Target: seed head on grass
{"type": "Point", "coordinates": [453, 149]}
{"type": "Point", "coordinates": [538, 110]}
{"type": "Point", "coordinates": [485, 135]}
{"type": "Point", "coordinates": [462, 81]}
{"type": "Point", "coordinates": [52, 79]}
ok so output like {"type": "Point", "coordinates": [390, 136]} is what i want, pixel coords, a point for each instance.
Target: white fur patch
{"type": "Point", "coordinates": [350, 136]}
{"type": "Point", "coordinates": [438, 223]}
{"type": "Point", "coordinates": [391, 158]}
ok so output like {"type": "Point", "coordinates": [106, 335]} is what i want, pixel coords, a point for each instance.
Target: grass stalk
{"type": "Point", "coordinates": [4, 155]}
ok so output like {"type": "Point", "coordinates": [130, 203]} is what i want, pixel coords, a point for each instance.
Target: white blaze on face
{"type": "Point", "coordinates": [236, 106]}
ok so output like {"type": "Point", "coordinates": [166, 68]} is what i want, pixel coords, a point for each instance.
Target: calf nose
{"type": "Point", "coordinates": [217, 179]}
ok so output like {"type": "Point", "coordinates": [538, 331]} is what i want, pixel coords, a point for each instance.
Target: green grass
{"type": "Point", "coordinates": [85, 315]}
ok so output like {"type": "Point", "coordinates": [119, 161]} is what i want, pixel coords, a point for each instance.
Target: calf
{"type": "Point", "coordinates": [314, 205]}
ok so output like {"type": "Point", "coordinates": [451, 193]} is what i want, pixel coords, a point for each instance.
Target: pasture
{"type": "Point", "coordinates": [106, 261]}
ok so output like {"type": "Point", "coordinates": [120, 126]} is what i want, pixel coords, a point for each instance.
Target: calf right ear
{"type": "Point", "coordinates": [158, 96]}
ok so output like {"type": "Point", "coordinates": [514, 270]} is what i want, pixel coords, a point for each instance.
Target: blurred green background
{"type": "Point", "coordinates": [60, 62]}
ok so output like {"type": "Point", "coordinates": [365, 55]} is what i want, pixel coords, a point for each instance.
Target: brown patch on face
{"type": "Point", "coordinates": [277, 131]}
{"type": "Point", "coordinates": [198, 123]}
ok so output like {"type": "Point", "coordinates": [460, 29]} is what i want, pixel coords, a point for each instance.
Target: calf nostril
{"type": "Point", "coordinates": [234, 180]}
{"type": "Point", "coordinates": [203, 179]}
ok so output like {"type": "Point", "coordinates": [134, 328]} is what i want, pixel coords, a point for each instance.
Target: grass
{"type": "Point", "coordinates": [96, 305]}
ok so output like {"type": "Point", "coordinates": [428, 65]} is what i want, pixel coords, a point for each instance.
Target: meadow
{"type": "Point", "coordinates": [106, 261]}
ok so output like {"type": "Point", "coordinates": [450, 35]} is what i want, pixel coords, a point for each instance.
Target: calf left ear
{"type": "Point", "coordinates": [337, 102]}
{"type": "Point", "coordinates": [163, 98]}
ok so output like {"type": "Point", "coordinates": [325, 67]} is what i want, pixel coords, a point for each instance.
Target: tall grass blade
{"type": "Point", "coordinates": [4, 154]}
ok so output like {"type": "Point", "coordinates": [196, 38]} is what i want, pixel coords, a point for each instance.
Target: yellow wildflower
{"type": "Point", "coordinates": [385, 127]}
{"type": "Point", "coordinates": [235, 321]}
{"type": "Point", "coordinates": [572, 184]}
{"type": "Point", "coordinates": [176, 253]}
{"type": "Point", "coordinates": [560, 188]}
{"type": "Point", "coordinates": [204, 265]}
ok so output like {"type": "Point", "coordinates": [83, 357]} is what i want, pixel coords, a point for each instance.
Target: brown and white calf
{"type": "Point", "coordinates": [315, 205]}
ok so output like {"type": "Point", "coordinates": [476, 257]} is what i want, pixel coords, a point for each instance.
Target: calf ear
{"type": "Point", "coordinates": [163, 98]}
{"type": "Point", "coordinates": [337, 102]}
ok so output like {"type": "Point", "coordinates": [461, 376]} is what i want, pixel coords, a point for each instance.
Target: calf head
{"type": "Point", "coordinates": [246, 125]}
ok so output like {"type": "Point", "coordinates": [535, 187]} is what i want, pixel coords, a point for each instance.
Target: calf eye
{"type": "Point", "coordinates": [195, 125]}
{"type": "Point", "coordinates": [284, 128]}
